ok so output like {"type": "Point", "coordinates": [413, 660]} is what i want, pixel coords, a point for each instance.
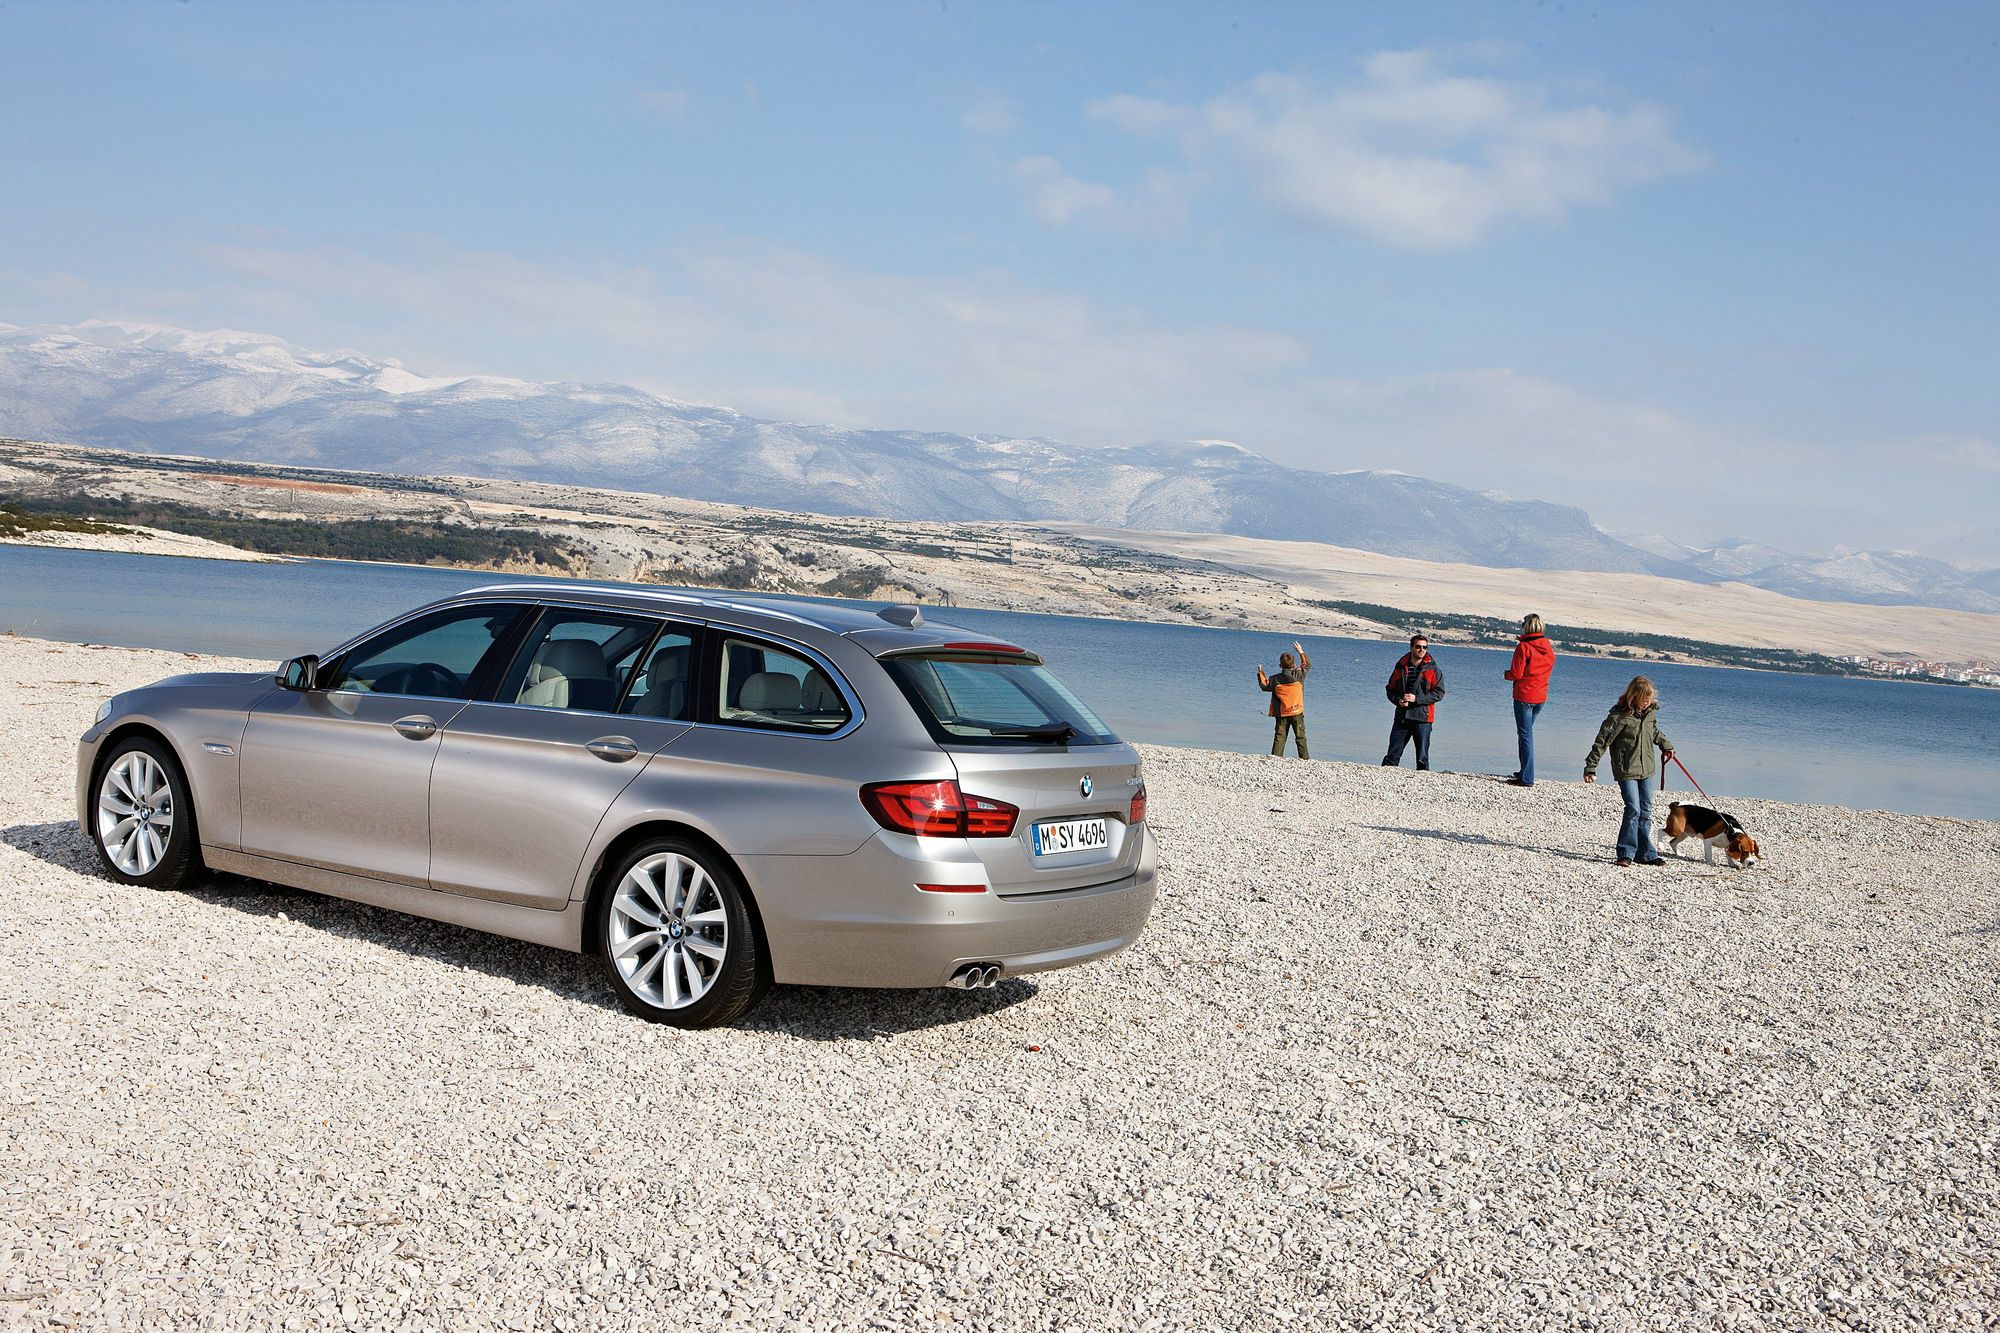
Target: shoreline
{"type": "Point", "coordinates": [94, 542]}
{"type": "Point", "coordinates": [1203, 579]}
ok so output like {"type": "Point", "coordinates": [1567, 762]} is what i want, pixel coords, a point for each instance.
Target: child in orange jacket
{"type": "Point", "coordinates": [1288, 698]}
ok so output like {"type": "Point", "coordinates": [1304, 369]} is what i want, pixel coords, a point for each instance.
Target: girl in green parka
{"type": "Point", "coordinates": [1631, 731]}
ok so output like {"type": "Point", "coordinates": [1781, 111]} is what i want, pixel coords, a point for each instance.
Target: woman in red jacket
{"type": "Point", "coordinates": [1534, 660]}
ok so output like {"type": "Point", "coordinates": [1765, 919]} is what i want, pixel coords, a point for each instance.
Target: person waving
{"type": "Point", "coordinates": [1288, 698]}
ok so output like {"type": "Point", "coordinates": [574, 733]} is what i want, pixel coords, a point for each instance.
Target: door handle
{"type": "Point", "coordinates": [416, 728]}
{"type": "Point", "coordinates": [613, 749]}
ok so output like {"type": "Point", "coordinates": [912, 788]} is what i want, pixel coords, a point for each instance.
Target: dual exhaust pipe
{"type": "Point", "coordinates": [976, 976]}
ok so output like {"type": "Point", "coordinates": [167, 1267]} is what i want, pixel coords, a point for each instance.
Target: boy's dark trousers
{"type": "Point", "coordinates": [1400, 733]}
{"type": "Point", "coordinates": [1297, 723]}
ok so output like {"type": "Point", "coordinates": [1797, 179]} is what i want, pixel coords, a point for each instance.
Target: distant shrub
{"type": "Point", "coordinates": [404, 541]}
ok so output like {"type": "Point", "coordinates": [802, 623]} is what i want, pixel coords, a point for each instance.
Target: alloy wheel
{"type": "Point", "coordinates": [669, 930]}
{"type": "Point", "coordinates": [135, 812]}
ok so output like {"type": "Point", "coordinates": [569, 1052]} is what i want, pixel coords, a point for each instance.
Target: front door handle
{"type": "Point", "coordinates": [613, 749]}
{"type": "Point", "coordinates": [416, 727]}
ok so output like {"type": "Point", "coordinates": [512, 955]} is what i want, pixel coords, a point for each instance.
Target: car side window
{"type": "Point", "coordinates": [438, 656]}
{"type": "Point", "coordinates": [580, 660]}
{"type": "Point", "coordinates": [763, 685]}
{"type": "Point", "coordinates": [664, 685]}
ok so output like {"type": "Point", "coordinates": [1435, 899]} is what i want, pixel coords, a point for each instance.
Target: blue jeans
{"type": "Point", "coordinates": [1635, 831]}
{"type": "Point", "coordinates": [1524, 733]}
{"type": "Point", "coordinates": [1401, 732]}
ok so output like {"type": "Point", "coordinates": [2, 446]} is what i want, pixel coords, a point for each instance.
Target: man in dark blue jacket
{"type": "Point", "coordinates": [1414, 688]}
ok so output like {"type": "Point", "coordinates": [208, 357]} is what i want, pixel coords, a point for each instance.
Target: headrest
{"type": "Point", "coordinates": [769, 691]}
{"type": "Point", "coordinates": [817, 695]}
{"type": "Point", "coordinates": [669, 663]}
{"type": "Point", "coordinates": [568, 659]}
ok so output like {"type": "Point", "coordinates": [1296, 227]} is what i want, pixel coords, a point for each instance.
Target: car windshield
{"type": "Point", "coordinates": [995, 701]}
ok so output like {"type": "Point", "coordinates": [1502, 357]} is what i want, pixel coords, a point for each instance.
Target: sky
{"type": "Point", "coordinates": [1709, 271]}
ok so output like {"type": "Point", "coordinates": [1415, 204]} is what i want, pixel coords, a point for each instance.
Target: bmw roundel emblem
{"type": "Point", "coordinates": [1084, 786]}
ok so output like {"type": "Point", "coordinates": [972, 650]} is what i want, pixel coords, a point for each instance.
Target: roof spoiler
{"type": "Point", "coordinates": [979, 648]}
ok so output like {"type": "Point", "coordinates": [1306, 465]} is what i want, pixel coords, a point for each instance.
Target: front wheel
{"type": "Point", "coordinates": [676, 938]}
{"type": "Point", "coordinates": [143, 818]}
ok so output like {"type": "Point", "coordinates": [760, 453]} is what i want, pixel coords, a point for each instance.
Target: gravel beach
{"type": "Point", "coordinates": [1399, 1050]}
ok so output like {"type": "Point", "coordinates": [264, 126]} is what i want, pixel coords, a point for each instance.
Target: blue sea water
{"type": "Point", "coordinates": [1926, 749]}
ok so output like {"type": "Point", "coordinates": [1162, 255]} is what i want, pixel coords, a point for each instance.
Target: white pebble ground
{"type": "Point", "coordinates": [1398, 1051]}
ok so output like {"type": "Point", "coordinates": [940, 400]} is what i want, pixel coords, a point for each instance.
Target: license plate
{"type": "Point", "coordinates": [1071, 835]}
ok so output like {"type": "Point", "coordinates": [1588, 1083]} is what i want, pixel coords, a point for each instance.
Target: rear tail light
{"type": "Point", "coordinates": [937, 810]}
{"type": "Point", "coordinates": [1138, 814]}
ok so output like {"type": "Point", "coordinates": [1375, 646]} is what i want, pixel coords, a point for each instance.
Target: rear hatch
{"type": "Point", "coordinates": [1073, 830]}
{"type": "Point", "coordinates": [1017, 735]}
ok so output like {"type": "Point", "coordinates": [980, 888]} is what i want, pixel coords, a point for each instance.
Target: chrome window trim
{"type": "Point", "coordinates": [564, 602]}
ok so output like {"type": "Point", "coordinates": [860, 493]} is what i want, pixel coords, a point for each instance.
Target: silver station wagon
{"type": "Point", "coordinates": [711, 795]}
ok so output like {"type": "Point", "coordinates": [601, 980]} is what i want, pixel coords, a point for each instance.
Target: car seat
{"type": "Point", "coordinates": [666, 684]}
{"type": "Point", "coordinates": [569, 673]}
{"type": "Point", "coordinates": [817, 694]}
{"type": "Point", "coordinates": [770, 693]}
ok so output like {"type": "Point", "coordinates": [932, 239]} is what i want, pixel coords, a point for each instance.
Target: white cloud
{"type": "Point", "coordinates": [1413, 155]}
{"type": "Point", "coordinates": [1160, 202]}
{"type": "Point", "coordinates": [990, 115]}
{"type": "Point", "coordinates": [666, 101]}
{"type": "Point", "coordinates": [1056, 197]}
{"type": "Point", "coordinates": [978, 352]}
{"type": "Point", "coordinates": [1968, 453]}
{"type": "Point", "coordinates": [776, 331]}
{"type": "Point", "coordinates": [462, 292]}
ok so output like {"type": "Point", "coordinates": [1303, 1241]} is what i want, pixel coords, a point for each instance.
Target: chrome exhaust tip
{"type": "Point", "coordinates": [976, 976]}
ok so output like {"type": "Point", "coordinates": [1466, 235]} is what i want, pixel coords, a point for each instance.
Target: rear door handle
{"type": "Point", "coordinates": [613, 749]}
{"type": "Point", "coordinates": [416, 727]}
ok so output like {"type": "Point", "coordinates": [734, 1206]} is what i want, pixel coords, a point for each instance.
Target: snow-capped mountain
{"type": "Point", "coordinates": [1882, 578]}
{"type": "Point", "coordinates": [235, 395]}
{"type": "Point", "coordinates": [255, 397]}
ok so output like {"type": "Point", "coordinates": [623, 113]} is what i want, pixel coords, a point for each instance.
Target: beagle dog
{"type": "Point", "coordinates": [1716, 831]}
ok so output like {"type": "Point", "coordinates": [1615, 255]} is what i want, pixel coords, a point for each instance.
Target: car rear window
{"type": "Point", "coordinates": [995, 701]}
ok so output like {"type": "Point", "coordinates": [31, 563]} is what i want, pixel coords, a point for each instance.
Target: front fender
{"type": "Point", "coordinates": [201, 721]}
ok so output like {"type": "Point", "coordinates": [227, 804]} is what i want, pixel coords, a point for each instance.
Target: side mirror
{"type": "Point", "coordinates": [300, 673]}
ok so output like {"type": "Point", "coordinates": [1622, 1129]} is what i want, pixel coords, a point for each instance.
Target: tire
{"type": "Point", "coordinates": [142, 819]}
{"type": "Point", "coordinates": [675, 934]}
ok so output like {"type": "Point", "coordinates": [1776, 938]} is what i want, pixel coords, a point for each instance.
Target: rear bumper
{"type": "Point", "coordinates": [859, 920]}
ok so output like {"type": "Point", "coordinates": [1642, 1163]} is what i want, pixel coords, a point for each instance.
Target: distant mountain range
{"type": "Point", "coordinates": [252, 397]}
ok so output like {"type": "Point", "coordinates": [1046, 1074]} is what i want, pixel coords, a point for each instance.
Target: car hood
{"type": "Point", "coordinates": [214, 678]}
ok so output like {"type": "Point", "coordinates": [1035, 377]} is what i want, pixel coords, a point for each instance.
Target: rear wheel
{"type": "Point", "coordinates": [676, 938]}
{"type": "Point", "coordinates": [143, 817]}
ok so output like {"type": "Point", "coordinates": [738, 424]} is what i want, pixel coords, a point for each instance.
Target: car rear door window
{"type": "Point", "coordinates": [584, 661]}
{"type": "Point", "coordinates": [762, 685]}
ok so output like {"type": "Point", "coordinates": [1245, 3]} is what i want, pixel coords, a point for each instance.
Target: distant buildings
{"type": "Point", "coordinates": [1910, 666]}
